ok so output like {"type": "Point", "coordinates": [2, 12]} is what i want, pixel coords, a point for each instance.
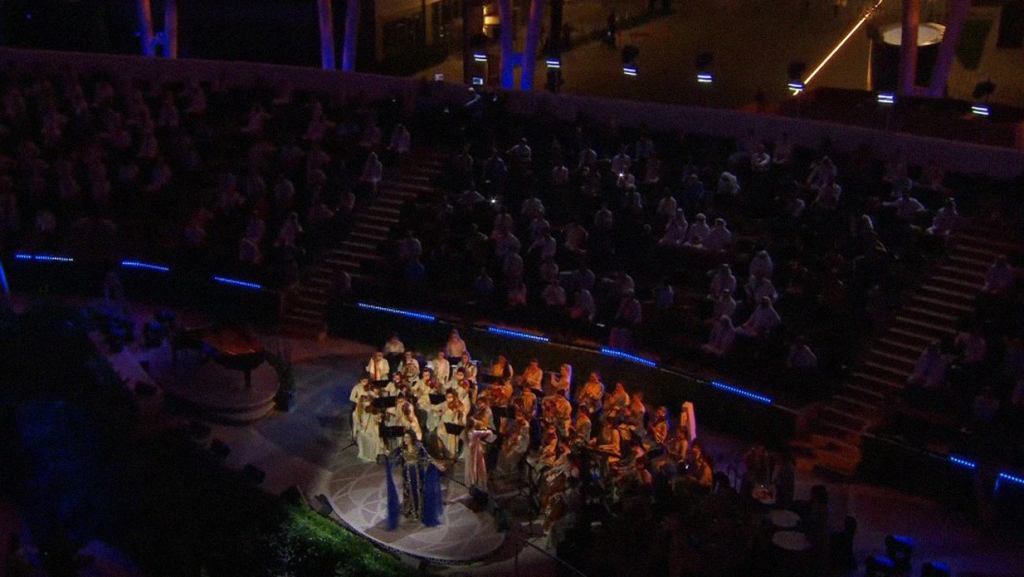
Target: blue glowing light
{"type": "Point", "coordinates": [980, 110]}
{"type": "Point", "coordinates": [1010, 478]}
{"type": "Point", "coordinates": [741, 392]}
{"type": "Point", "coordinates": [399, 312]}
{"type": "Point", "coordinates": [963, 462]}
{"type": "Point", "coordinates": [553, 63]}
{"type": "Point", "coordinates": [886, 98]}
{"type": "Point", "coordinates": [796, 86]}
{"type": "Point", "coordinates": [236, 282]}
{"type": "Point", "coordinates": [478, 81]}
{"type": "Point", "coordinates": [629, 70]}
{"type": "Point", "coordinates": [479, 57]}
{"type": "Point", "coordinates": [52, 258]}
{"type": "Point", "coordinates": [147, 266]}
{"type": "Point", "coordinates": [518, 335]}
{"type": "Point", "coordinates": [23, 256]}
{"type": "Point", "coordinates": [705, 78]}
{"type": "Point", "coordinates": [629, 357]}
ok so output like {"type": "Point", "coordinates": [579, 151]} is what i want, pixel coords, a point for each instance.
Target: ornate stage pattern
{"type": "Point", "coordinates": [357, 490]}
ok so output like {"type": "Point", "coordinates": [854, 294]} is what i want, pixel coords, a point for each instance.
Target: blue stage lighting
{"type": "Point", "coordinates": [518, 335]}
{"type": "Point", "coordinates": [628, 357]}
{"type": "Point", "coordinates": [236, 282]}
{"type": "Point", "coordinates": [963, 462]}
{"type": "Point", "coordinates": [399, 312]}
{"type": "Point", "coordinates": [147, 266]}
{"type": "Point", "coordinates": [741, 392]}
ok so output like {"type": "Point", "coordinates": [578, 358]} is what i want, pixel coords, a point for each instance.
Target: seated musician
{"type": "Point", "coordinates": [501, 369]}
{"type": "Point", "coordinates": [658, 429]}
{"type": "Point", "coordinates": [442, 368]}
{"type": "Point", "coordinates": [562, 382]}
{"type": "Point", "coordinates": [425, 386]}
{"type": "Point", "coordinates": [547, 455]}
{"type": "Point", "coordinates": [583, 427]}
{"type": "Point", "coordinates": [469, 368]}
{"type": "Point", "coordinates": [404, 415]}
{"type": "Point", "coordinates": [464, 388]}
{"type": "Point", "coordinates": [361, 388]}
{"type": "Point", "coordinates": [616, 402]}
{"type": "Point", "coordinates": [378, 368]}
{"type": "Point", "coordinates": [609, 442]}
{"type": "Point", "coordinates": [679, 446]}
{"type": "Point", "coordinates": [453, 413]}
{"type": "Point", "coordinates": [533, 376]}
{"type": "Point", "coordinates": [699, 467]}
{"type": "Point", "coordinates": [526, 402]}
{"type": "Point", "coordinates": [409, 367]}
{"type": "Point", "coordinates": [633, 417]}
{"type": "Point", "coordinates": [514, 446]}
{"type": "Point", "coordinates": [499, 396]}
{"type": "Point", "coordinates": [592, 393]}
{"type": "Point", "coordinates": [365, 429]}
{"type": "Point", "coordinates": [558, 411]}
{"type": "Point", "coordinates": [392, 388]}
{"type": "Point", "coordinates": [482, 413]}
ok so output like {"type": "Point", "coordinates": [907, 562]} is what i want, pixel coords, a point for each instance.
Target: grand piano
{"type": "Point", "coordinates": [232, 347]}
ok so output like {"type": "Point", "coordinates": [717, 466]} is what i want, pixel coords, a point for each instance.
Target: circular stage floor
{"type": "Point", "coordinates": [358, 493]}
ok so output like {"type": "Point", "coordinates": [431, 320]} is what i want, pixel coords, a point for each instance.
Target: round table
{"type": "Point", "coordinates": [792, 553]}
{"type": "Point", "coordinates": [783, 519]}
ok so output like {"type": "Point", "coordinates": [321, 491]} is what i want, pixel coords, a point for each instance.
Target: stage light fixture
{"type": "Point", "coordinates": [479, 57]}
{"type": "Point", "coordinates": [796, 86]}
{"type": "Point", "coordinates": [478, 81]}
{"type": "Point", "coordinates": [629, 70]}
{"type": "Point", "coordinates": [705, 78]}
{"type": "Point", "coordinates": [980, 110]}
{"type": "Point", "coordinates": [886, 98]}
{"type": "Point", "coordinates": [553, 63]}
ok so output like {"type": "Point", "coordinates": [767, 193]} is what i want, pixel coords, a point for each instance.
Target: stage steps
{"type": "Point", "coordinates": [361, 250]}
{"type": "Point", "coordinates": [943, 298]}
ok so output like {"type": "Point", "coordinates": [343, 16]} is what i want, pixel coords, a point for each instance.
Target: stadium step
{"type": "Point", "coordinates": [922, 300]}
{"type": "Point", "coordinates": [969, 262]}
{"type": "Point", "coordinates": [895, 346]}
{"type": "Point", "coordinates": [861, 393]}
{"type": "Point", "coordinates": [955, 284]}
{"type": "Point", "coordinates": [881, 383]}
{"type": "Point", "coordinates": [855, 405]}
{"type": "Point", "coordinates": [945, 293]}
{"type": "Point", "coordinates": [885, 357]}
{"type": "Point", "coordinates": [371, 236]}
{"type": "Point", "coordinates": [911, 336]}
{"type": "Point", "coordinates": [924, 326]}
{"type": "Point", "coordinates": [928, 313]}
{"type": "Point", "coordinates": [998, 246]}
{"type": "Point", "coordinates": [838, 416]}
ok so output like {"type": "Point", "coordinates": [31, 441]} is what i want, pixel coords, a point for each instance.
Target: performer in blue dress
{"type": "Point", "coordinates": [421, 484]}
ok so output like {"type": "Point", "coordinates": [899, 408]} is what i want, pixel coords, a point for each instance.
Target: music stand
{"type": "Point", "coordinates": [381, 383]}
{"type": "Point", "coordinates": [385, 402]}
{"type": "Point", "coordinates": [503, 412]}
{"type": "Point", "coordinates": [493, 379]}
{"type": "Point", "coordinates": [454, 429]}
{"type": "Point", "coordinates": [436, 399]}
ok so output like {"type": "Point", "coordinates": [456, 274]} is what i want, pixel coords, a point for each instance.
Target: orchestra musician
{"type": "Point", "coordinates": [454, 413]}
{"type": "Point", "coordinates": [365, 429]}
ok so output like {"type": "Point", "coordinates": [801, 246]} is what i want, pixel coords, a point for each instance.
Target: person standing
{"type": "Point", "coordinates": [477, 439]}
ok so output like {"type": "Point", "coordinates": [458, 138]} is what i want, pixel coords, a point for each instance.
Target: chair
{"type": "Point", "coordinates": [935, 569]}
{"type": "Point", "coordinates": [879, 566]}
{"type": "Point", "coordinates": [900, 549]}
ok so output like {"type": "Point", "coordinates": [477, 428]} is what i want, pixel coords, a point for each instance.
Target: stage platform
{"type": "Point", "coordinates": [214, 391]}
{"type": "Point", "coordinates": [359, 498]}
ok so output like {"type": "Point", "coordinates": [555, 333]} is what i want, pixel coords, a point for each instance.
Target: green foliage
{"type": "Point", "coordinates": [309, 544]}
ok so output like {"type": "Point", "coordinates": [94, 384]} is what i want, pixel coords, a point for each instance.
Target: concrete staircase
{"type": "Point", "coordinates": [370, 232]}
{"type": "Point", "coordinates": [930, 312]}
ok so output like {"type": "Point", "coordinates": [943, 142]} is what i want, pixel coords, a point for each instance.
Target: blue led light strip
{"type": "Point", "coordinates": [629, 357]}
{"type": "Point", "coordinates": [147, 266]}
{"type": "Point", "coordinates": [741, 392]}
{"type": "Point", "coordinates": [517, 334]}
{"type": "Point", "coordinates": [236, 282]}
{"type": "Point", "coordinates": [1010, 478]}
{"type": "Point", "coordinates": [963, 462]}
{"type": "Point", "coordinates": [43, 257]}
{"type": "Point", "coordinates": [399, 312]}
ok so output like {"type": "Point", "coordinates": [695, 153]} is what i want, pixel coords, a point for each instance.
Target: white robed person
{"type": "Point", "coordinates": [366, 429]}
{"type": "Point", "coordinates": [478, 436]}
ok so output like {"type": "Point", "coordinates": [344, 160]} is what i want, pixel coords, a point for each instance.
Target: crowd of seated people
{"type": "Point", "coordinates": [972, 383]}
{"type": "Point", "coordinates": [605, 233]}
{"type": "Point", "coordinates": [235, 180]}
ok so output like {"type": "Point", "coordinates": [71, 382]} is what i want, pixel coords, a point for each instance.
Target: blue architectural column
{"type": "Point", "coordinates": [146, 27]}
{"type": "Point", "coordinates": [507, 23]}
{"type": "Point", "coordinates": [323, 9]}
{"type": "Point", "coordinates": [348, 53]}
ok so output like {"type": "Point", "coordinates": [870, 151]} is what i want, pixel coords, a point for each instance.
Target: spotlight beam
{"type": "Point", "coordinates": [842, 42]}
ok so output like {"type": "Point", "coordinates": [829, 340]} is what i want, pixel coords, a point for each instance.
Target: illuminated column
{"type": "Point", "coordinates": [146, 27]}
{"type": "Point", "coordinates": [908, 46]}
{"type": "Point", "coordinates": [958, 11]}
{"type": "Point", "coordinates": [532, 39]}
{"type": "Point", "coordinates": [326, 33]}
{"type": "Point", "coordinates": [171, 28]}
{"type": "Point", "coordinates": [348, 51]}
{"type": "Point", "coordinates": [507, 24]}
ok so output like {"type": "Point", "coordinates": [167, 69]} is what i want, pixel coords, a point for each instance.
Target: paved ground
{"type": "Point", "coordinates": [769, 35]}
